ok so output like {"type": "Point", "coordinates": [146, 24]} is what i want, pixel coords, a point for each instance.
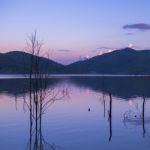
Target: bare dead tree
{"type": "Point", "coordinates": [40, 97]}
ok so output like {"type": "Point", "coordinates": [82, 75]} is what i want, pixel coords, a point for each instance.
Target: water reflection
{"type": "Point", "coordinates": [110, 117]}
{"type": "Point", "coordinates": [137, 118]}
{"type": "Point", "coordinates": [40, 96]}
{"type": "Point", "coordinates": [123, 87]}
{"type": "Point", "coordinates": [97, 115]}
{"type": "Point", "coordinates": [20, 87]}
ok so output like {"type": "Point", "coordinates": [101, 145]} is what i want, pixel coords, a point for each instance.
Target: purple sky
{"type": "Point", "coordinates": [75, 29]}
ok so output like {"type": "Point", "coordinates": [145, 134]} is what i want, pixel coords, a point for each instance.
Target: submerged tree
{"type": "Point", "coordinates": [131, 118]}
{"type": "Point", "coordinates": [40, 96]}
{"type": "Point", "coordinates": [110, 117]}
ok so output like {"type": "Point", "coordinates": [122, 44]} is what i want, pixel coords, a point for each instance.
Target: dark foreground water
{"type": "Point", "coordinates": [108, 113]}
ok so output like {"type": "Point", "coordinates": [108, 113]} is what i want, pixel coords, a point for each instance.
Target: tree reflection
{"type": "Point", "coordinates": [37, 104]}
{"type": "Point", "coordinates": [143, 117]}
{"type": "Point", "coordinates": [40, 97]}
{"type": "Point", "coordinates": [137, 118]}
{"type": "Point", "coordinates": [109, 112]}
{"type": "Point", "coordinates": [110, 117]}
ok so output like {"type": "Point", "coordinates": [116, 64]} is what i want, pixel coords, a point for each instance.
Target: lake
{"type": "Point", "coordinates": [77, 113]}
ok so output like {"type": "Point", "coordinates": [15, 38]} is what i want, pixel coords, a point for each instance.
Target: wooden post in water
{"type": "Point", "coordinates": [143, 117]}
{"type": "Point", "coordinates": [110, 117]}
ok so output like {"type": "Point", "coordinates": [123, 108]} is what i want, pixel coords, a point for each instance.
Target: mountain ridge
{"type": "Point", "coordinates": [122, 61]}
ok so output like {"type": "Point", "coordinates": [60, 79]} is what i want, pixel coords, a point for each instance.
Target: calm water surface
{"type": "Point", "coordinates": [108, 113]}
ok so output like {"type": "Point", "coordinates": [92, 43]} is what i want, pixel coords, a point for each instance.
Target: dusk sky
{"type": "Point", "coordinates": [74, 28]}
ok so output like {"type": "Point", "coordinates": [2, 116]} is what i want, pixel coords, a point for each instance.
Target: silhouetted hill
{"type": "Point", "coordinates": [19, 62]}
{"type": "Point", "coordinates": [124, 61]}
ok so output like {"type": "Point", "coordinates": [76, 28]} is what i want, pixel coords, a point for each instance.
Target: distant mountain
{"type": "Point", "coordinates": [123, 61]}
{"type": "Point", "coordinates": [19, 62]}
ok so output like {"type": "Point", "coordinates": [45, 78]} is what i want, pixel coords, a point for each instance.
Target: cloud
{"type": "Point", "coordinates": [105, 48]}
{"type": "Point", "coordinates": [138, 26]}
{"type": "Point", "coordinates": [129, 34]}
{"type": "Point", "coordinates": [102, 50]}
{"type": "Point", "coordinates": [64, 50]}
